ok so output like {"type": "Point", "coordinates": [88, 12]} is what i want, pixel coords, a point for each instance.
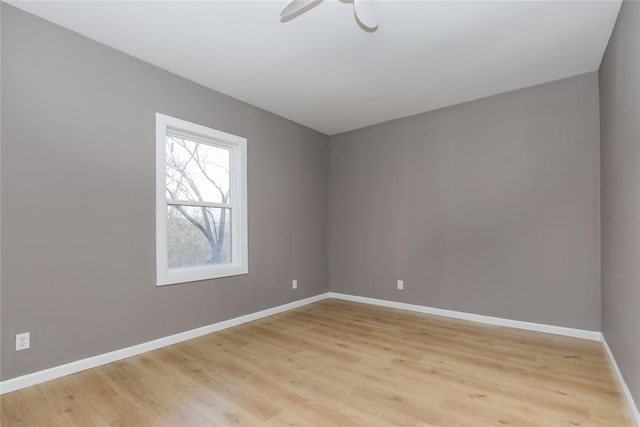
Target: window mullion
{"type": "Point", "coordinates": [199, 203]}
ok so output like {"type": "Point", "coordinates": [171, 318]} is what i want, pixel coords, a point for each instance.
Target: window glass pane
{"type": "Point", "coordinates": [198, 236]}
{"type": "Point", "coordinates": [196, 172]}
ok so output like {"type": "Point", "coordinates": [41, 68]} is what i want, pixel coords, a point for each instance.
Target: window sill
{"type": "Point", "coordinates": [193, 274]}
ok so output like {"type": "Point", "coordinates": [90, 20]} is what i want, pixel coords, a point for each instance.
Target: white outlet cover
{"type": "Point", "coordinates": [401, 284]}
{"type": "Point", "coordinates": [23, 341]}
{"type": "Point", "coordinates": [294, 284]}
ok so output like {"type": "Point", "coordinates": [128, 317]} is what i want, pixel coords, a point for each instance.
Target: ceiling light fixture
{"type": "Point", "coordinates": [363, 10]}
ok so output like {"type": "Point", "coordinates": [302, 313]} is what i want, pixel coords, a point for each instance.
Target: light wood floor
{"type": "Point", "coordinates": [340, 363]}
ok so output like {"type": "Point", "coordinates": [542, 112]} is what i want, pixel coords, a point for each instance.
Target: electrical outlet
{"type": "Point", "coordinates": [294, 284]}
{"type": "Point", "coordinates": [401, 284]}
{"type": "Point", "coordinates": [23, 341]}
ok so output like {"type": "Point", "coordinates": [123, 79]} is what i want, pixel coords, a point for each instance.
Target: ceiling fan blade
{"type": "Point", "coordinates": [295, 6]}
{"type": "Point", "coordinates": [365, 13]}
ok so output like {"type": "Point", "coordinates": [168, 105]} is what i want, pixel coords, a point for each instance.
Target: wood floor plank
{"type": "Point", "coordinates": [338, 363]}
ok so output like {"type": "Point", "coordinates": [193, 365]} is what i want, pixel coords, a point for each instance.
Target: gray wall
{"type": "Point", "coordinates": [78, 249]}
{"type": "Point", "coordinates": [1, 341]}
{"type": "Point", "coordinates": [489, 207]}
{"type": "Point", "coordinates": [620, 151]}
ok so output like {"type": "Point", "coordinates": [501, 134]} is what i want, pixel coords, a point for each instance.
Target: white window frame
{"type": "Point", "coordinates": [237, 147]}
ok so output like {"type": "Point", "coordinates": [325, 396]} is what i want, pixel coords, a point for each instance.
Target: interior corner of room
{"type": "Point", "coordinates": [518, 208]}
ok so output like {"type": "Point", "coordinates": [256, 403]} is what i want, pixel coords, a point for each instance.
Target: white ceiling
{"type": "Point", "coordinates": [322, 70]}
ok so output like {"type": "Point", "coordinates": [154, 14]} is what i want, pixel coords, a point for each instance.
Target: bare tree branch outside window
{"type": "Point", "coordinates": [197, 173]}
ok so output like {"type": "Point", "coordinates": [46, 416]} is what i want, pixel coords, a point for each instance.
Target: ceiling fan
{"type": "Point", "coordinates": [363, 9]}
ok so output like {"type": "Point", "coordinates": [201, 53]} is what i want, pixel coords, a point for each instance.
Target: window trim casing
{"type": "Point", "coordinates": [238, 185]}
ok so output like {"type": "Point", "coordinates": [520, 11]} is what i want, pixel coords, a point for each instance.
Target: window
{"type": "Point", "coordinates": [201, 202]}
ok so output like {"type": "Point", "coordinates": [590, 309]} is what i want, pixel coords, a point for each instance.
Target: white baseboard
{"type": "Point", "coordinates": [623, 385]}
{"type": "Point", "coordinates": [102, 359]}
{"type": "Point", "coordinates": [498, 321]}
